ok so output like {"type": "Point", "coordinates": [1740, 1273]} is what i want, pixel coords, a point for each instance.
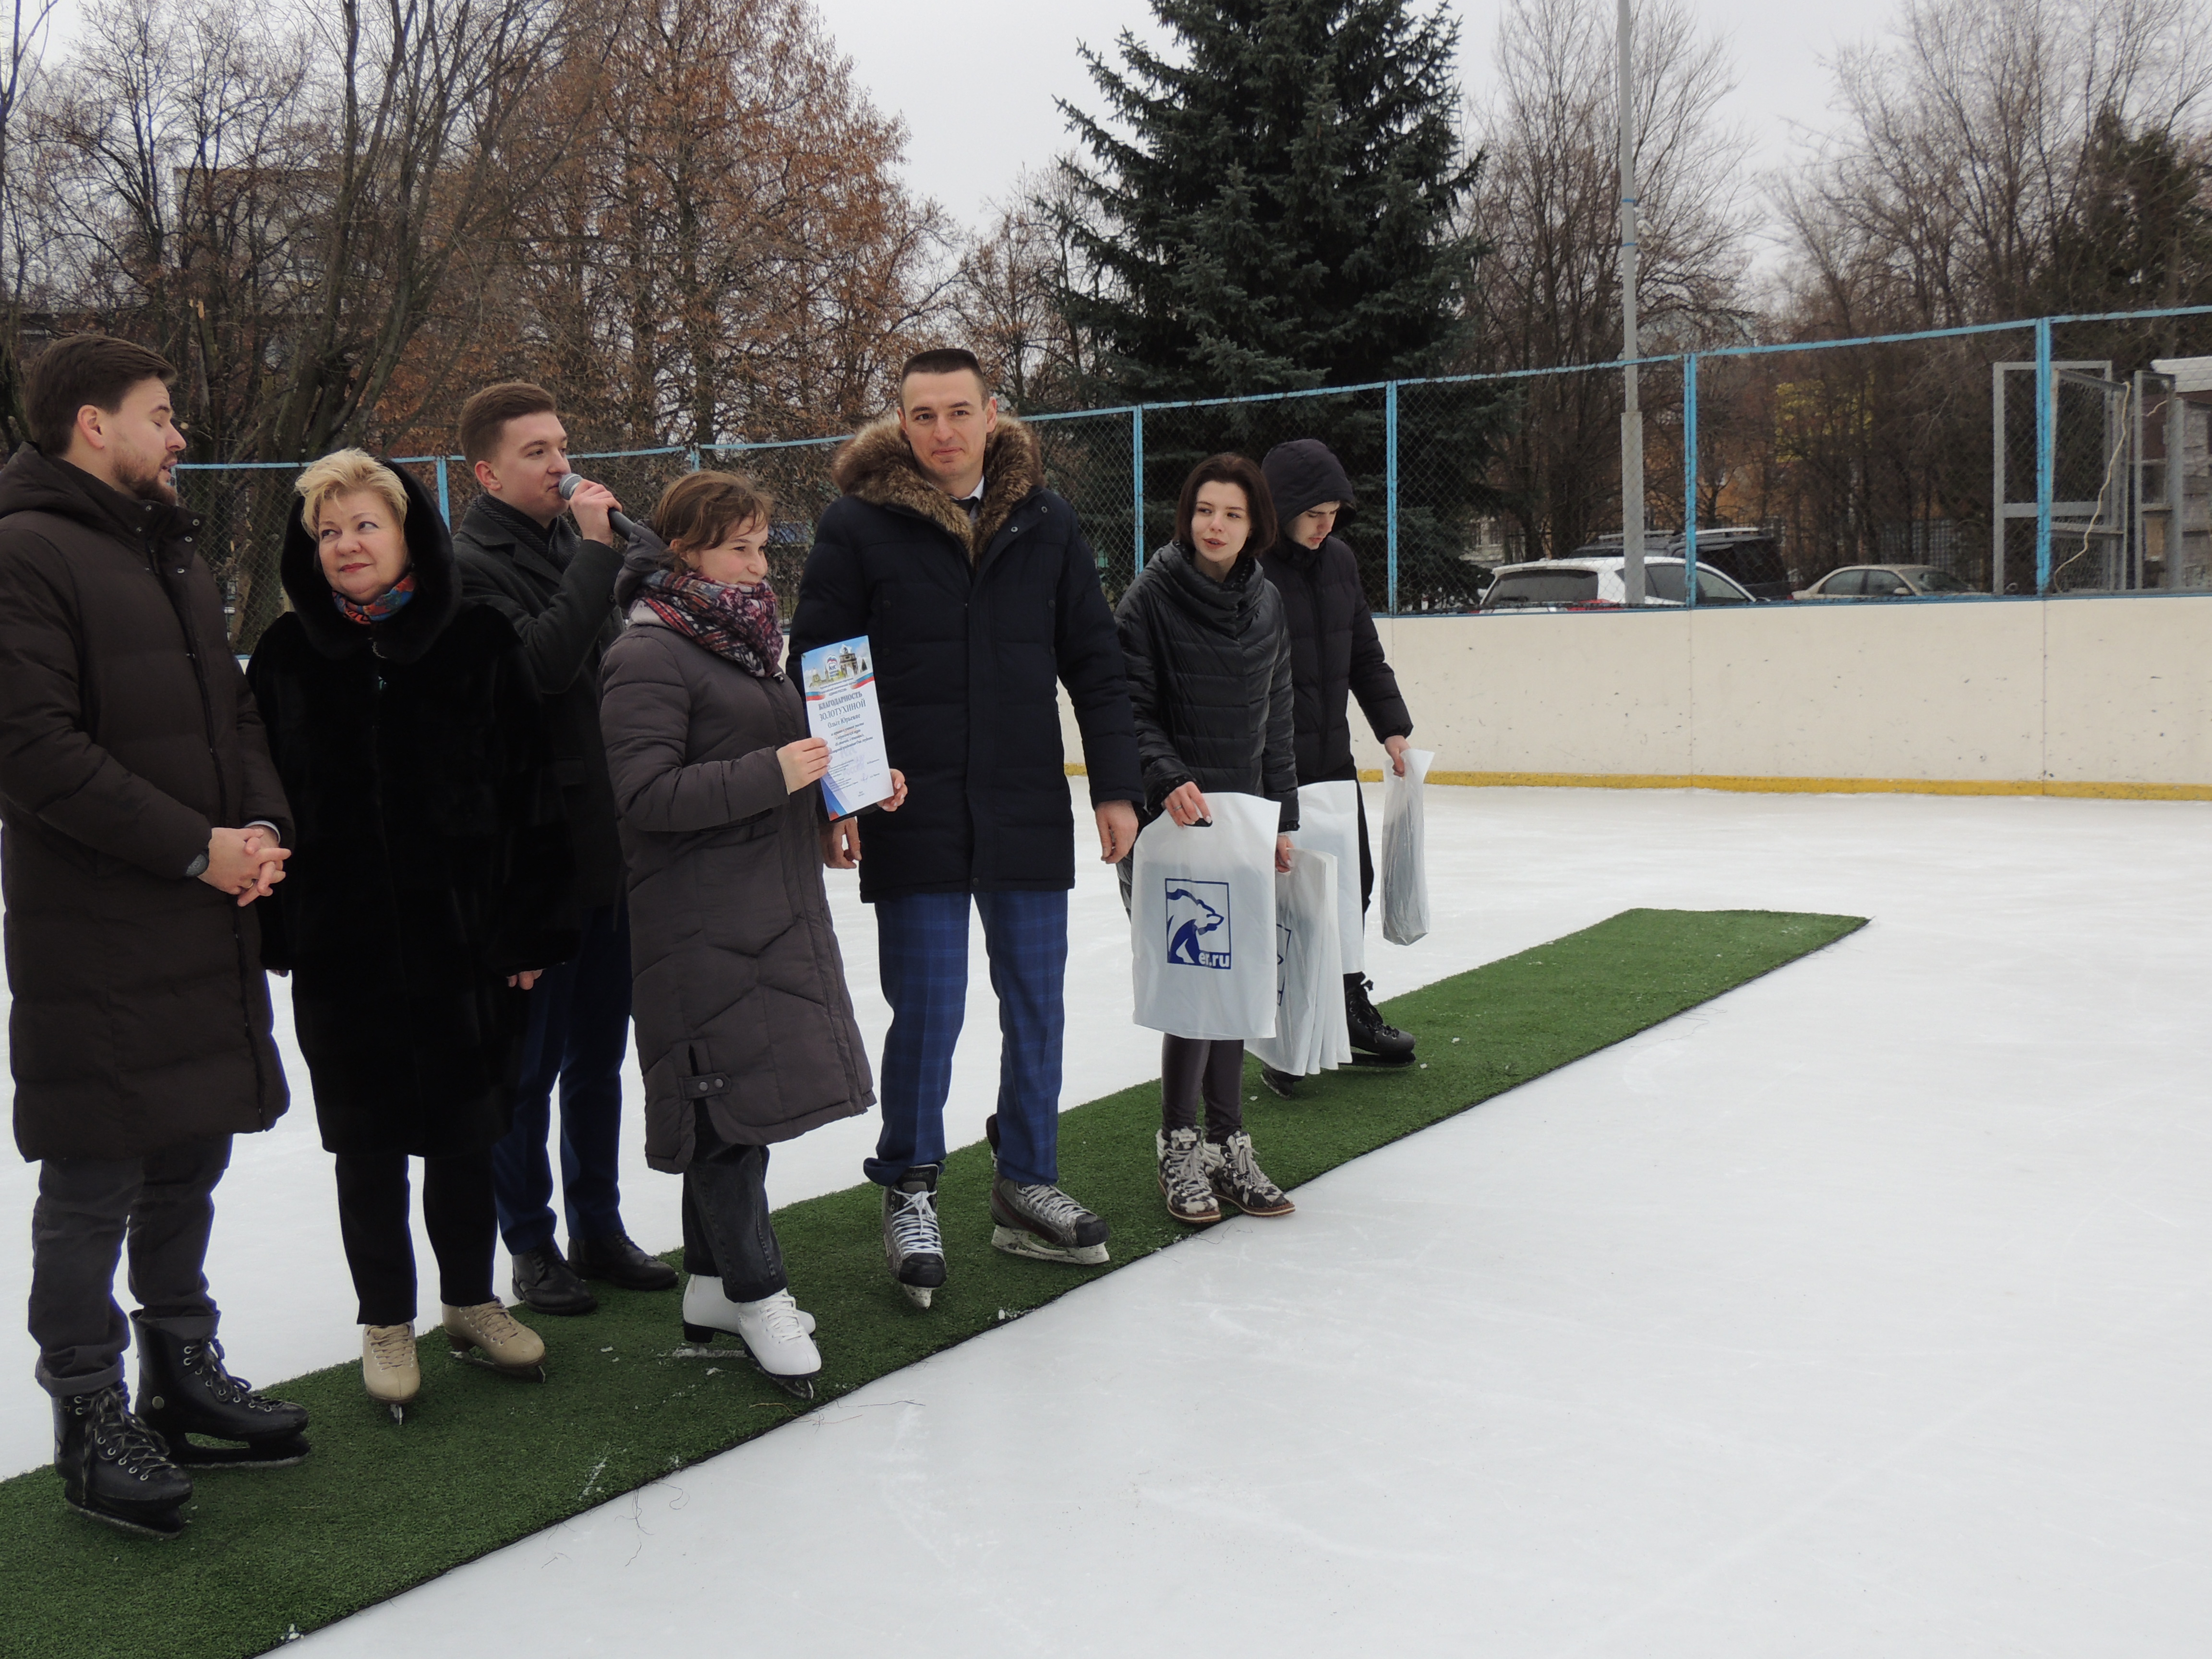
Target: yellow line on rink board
{"type": "Point", "coordinates": [2073, 791]}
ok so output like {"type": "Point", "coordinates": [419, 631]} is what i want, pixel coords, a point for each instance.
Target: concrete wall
{"type": "Point", "coordinates": [2094, 696]}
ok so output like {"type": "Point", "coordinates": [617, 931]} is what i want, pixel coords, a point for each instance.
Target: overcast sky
{"type": "Point", "coordinates": [975, 82]}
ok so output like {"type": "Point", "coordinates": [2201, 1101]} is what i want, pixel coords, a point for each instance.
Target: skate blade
{"type": "Point", "coordinates": [919, 1294]}
{"type": "Point", "coordinates": [398, 1411]}
{"type": "Point", "coordinates": [698, 1344]}
{"type": "Point", "coordinates": [1014, 1241]}
{"type": "Point", "coordinates": [520, 1373]}
{"type": "Point", "coordinates": [164, 1527]}
{"type": "Point", "coordinates": [803, 1387]}
{"type": "Point", "coordinates": [1361, 1057]}
{"type": "Point", "coordinates": [932, 1274]}
{"type": "Point", "coordinates": [277, 1455]}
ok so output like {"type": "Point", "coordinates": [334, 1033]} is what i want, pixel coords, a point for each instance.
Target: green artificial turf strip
{"type": "Point", "coordinates": [485, 1460]}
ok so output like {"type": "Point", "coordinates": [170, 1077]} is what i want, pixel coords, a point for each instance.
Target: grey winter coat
{"type": "Point", "coordinates": [740, 999]}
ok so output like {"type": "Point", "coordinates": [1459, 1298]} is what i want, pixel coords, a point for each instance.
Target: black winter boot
{"type": "Point", "coordinates": [113, 1467]}
{"type": "Point", "coordinates": [183, 1389]}
{"type": "Point", "coordinates": [621, 1263]}
{"type": "Point", "coordinates": [545, 1280]}
{"type": "Point", "coordinates": [1384, 1044]}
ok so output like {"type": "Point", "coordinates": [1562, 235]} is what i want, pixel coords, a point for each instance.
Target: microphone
{"type": "Point", "coordinates": [619, 519]}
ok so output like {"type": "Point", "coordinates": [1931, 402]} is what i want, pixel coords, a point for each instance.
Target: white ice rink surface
{"type": "Point", "coordinates": [1863, 1311]}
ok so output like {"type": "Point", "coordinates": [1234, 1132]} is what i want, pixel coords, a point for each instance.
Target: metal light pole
{"type": "Point", "coordinates": [1631, 412]}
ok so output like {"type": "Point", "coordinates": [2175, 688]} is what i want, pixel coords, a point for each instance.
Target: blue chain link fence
{"type": "Point", "coordinates": [2064, 454]}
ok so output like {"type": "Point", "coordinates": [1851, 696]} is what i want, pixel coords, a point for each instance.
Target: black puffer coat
{"type": "Point", "coordinates": [432, 860]}
{"type": "Point", "coordinates": [141, 1017]}
{"type": "Point", "coordinates": [741, 1001]}
{"type": "Point", "coordinates": [1335, 652]}
{"type": "Point", "coordinates": [972, 625]}
{"type": "Point", "coordinates": [556, 591]}
{"type": "Point", "coordinates": [1210, 679]}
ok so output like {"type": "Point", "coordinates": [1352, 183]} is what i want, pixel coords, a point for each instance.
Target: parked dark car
{"type": "Point", "coordinates": [1751, 555]}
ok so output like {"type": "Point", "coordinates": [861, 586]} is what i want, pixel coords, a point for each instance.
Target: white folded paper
{"type": "Point", "coordinates": [840, 683]}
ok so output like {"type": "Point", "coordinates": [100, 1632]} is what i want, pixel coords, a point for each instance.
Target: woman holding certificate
{"type": "Point", "coordinates": [744, 1030]}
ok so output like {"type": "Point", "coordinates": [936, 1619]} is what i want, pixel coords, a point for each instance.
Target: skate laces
{"type": "Point", "coordinates": [1370, 1015]}
{"type": "Point", "coordinates": [491, 1323]}
{"type": "Point", "coordinates": [1184, 1166]}
{"type": "Point", "coordinates": [914, 1224]}
{"type": "Point", "coordinates": [203, 1359]}
{"type": "Point", "coordinates": [1244, 1166]}
{"type": "Point", "coordinates": [1050, 1207]}
{"type": "Point", "coordinates": [393, 1346]}
{"type": "Point", "coordinates": [780, 1312]}
{"type": "Point", "coordinates": [121, 1439]}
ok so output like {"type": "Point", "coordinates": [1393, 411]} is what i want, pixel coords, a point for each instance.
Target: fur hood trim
{"type": "Point", "coordinates": [877, 466]}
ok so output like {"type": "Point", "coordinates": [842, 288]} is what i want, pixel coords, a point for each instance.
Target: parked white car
{"type": "Point", "coordinates": [1593, 583]}
{"type": "Point", "coordinates": [1884, 581]}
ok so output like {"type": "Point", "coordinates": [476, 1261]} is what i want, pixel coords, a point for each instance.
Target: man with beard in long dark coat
{"type": "Point", "coordinates": [141, 817]}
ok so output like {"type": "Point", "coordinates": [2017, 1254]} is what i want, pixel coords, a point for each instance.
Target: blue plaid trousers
{"type": "Point", "coordinates": [922, 942]}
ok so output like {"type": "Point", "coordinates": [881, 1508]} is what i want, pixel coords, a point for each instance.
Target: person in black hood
{"type": "Point", "coordinates": [1209, 667]}
{"type": "Point", "coordinates": [1336, 654]}
{"type": "Point", "coordinates": [431, 882]}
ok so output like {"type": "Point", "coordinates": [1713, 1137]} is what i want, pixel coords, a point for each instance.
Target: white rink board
{"type": "Point", "coordinates": [1863, 1311]}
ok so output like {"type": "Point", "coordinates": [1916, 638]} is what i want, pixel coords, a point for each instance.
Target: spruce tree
{"type": "Point", "coordinates": [1272, 206]}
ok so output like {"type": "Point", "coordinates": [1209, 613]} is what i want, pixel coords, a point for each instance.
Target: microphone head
{"type": "Point", "coordinates": [570, 482]}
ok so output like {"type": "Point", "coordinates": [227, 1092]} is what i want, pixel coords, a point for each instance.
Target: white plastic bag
{"type": "Point", "coordinates": [1328, 822]}
{"type": "Point", "coordinates": [1202, 921]}
{"type": "Point", "coordinates": [1404, 860]}
{"type": "Point", "coordinates": [1307, 981]}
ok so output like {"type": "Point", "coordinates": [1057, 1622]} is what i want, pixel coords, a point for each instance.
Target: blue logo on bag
{"type": "Point", "coordinates": [1198, 922]}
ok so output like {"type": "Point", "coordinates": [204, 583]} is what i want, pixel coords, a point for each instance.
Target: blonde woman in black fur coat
{"type": "Point", "coordinates": [429, 883]}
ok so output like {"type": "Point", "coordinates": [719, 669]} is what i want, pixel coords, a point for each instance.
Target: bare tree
{"type": "Point", "coordinates": [733, 255]}
{"type": "Point", "coordinates": [1975, 141]}
{"type": "Point", "coordinates": [26, 22]}
{"type": "Point", "coordinates": [1547, 203]}
{"type": "Point", "coordinates": [278, 201]}
{"type": "Point", "coordinates": [1006, 296]}
{"type": "Point", "coordinates": [177, 159]}
{"type": "Point", "coordinates": [421, 99]}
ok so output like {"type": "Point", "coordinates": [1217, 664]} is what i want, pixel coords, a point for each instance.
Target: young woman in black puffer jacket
{"type": "Point", "coordinates": [1209, 667]}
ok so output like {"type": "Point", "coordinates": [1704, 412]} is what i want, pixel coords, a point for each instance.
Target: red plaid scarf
{"type": "Point", "coordinates": [737, 622]}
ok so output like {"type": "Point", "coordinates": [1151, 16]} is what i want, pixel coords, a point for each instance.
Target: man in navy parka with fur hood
{"type": "Point", "coordinates": [981, 599]}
